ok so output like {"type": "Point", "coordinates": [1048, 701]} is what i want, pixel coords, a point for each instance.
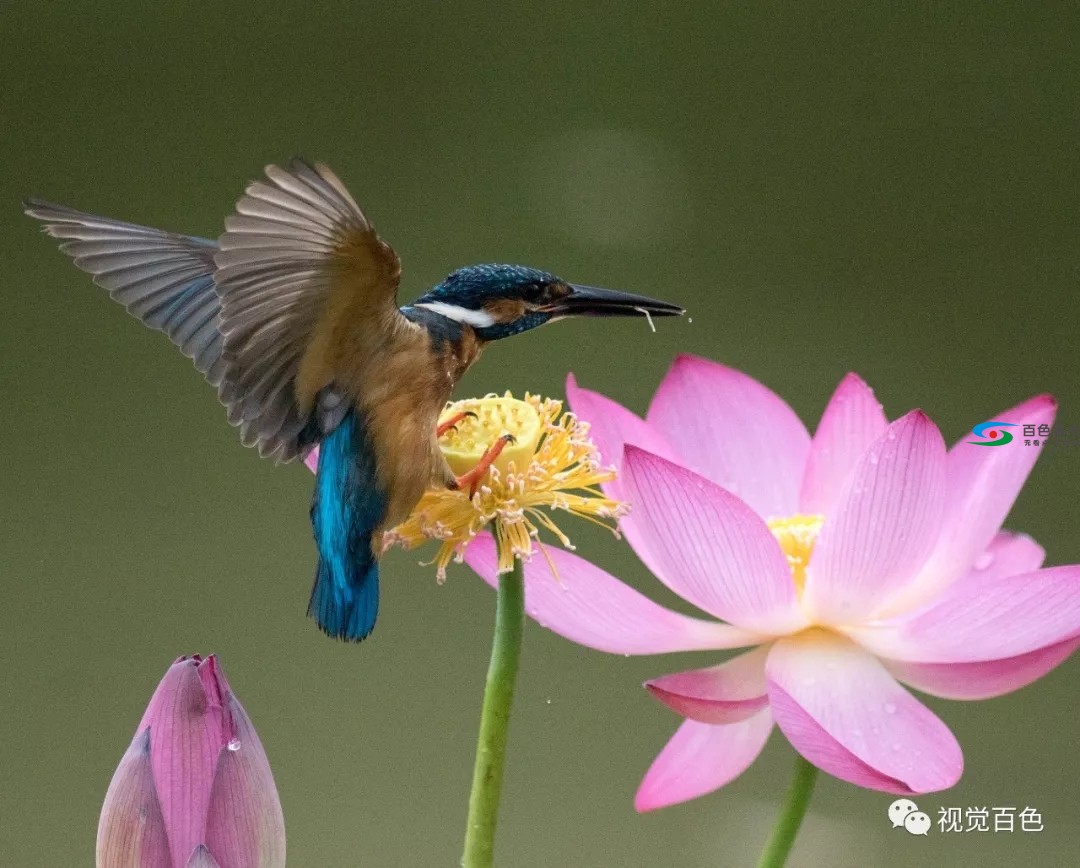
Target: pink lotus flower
{"type": "Point", "coordinates": [194, 790]}
{"type": "Point", "coordinates": [852, 561]}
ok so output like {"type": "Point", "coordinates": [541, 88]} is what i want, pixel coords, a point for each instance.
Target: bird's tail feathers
{"type": "Point", "coordinates": [347, 511]}
{"type": "Point", "coordinates": [345, 609]}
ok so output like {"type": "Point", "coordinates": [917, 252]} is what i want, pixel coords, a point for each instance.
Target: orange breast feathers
{"type": "Point", "coordinates": [399, 385]}
{"type": "Point", "coordinates": [401, 404]}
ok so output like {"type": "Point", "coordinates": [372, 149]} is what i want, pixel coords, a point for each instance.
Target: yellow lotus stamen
{"type": "Point", "coordinates": [551, 465]}
{"type": "Point", "coordinates": [797, 535]}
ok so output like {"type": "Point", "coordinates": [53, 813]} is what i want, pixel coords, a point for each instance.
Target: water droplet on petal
{"type": "Point", "coordinates": [234, 744]}
{"type": "Point", "coordinates": [984, 560]}
{"type": "Point", "coordinates": [890, 708]}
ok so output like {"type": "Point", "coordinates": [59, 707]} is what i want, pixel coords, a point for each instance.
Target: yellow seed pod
{"type": "Point", "coordinates": [465, 444]}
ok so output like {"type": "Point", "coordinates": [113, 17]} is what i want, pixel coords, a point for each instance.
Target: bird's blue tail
{"type": "Point", "coordinates": [345, 611]}
{"type": "Point", "coordinates": [346, 510]}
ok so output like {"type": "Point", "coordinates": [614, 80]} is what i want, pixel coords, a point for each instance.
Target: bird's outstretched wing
{"type": "Point", "coordinates": [297, 258]}
{"type": "Point", "coordinates": [164, 279]}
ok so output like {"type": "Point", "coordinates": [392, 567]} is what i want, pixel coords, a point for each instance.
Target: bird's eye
{"type": "Point", "coordinates": [535, 293]}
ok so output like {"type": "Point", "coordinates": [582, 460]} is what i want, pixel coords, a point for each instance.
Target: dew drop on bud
{"type": "Point", "coordinates": [234, 744]}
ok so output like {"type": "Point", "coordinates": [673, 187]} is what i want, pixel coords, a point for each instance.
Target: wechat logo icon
{"type": "Point", "coordinates": [904, 812]}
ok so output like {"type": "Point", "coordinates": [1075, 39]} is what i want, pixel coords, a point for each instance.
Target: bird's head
{"type": "Point", "coordinates": [502, 300]}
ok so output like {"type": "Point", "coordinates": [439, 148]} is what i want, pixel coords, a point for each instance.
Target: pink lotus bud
{"type": "Point", "coordinates": [194, 789]}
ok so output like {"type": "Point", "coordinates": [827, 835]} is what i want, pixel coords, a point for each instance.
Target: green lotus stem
{"type": "Point", "coordinates": [495, 720]}
{"type": "Point", "coordinates": [791, 816]}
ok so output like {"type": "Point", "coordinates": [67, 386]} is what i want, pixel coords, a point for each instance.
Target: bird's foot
{"type": "Point", "coordinates": [471, 479]}
{"type": "Point", "coordinates": [451, 423]}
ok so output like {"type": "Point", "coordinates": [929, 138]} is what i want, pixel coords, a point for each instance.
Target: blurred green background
{"type": "Point", "coordinates": [827, 187]}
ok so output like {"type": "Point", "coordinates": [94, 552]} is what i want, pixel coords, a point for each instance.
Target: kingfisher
{"type": "Point", "coordinates": [292, 315]}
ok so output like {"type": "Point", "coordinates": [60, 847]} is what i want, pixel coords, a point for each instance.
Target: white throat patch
{"type": "Point", "coordinates": [479, 319]}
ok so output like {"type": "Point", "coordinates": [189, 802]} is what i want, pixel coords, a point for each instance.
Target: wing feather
{"type": "Point", "coordinates": [247, 308]}
{"type": "Point", "coordinates": [297, 245]}
{"type": "Point", "coordinates": [164, 279]}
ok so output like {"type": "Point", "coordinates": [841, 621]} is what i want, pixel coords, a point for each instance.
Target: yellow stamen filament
{"type": "Point", "coordinates": [797, 535]}
{"type": "Point", "coordinates": [552, 465]}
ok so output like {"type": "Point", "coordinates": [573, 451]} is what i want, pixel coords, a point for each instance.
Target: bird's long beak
{"type": "Point", "coordinates": [593, 301]}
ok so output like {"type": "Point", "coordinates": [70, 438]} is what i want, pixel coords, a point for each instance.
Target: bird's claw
{"type": "Point", "coordinates": [451, 423]}
{"type": "Point", "coordinates": [473, 477]}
